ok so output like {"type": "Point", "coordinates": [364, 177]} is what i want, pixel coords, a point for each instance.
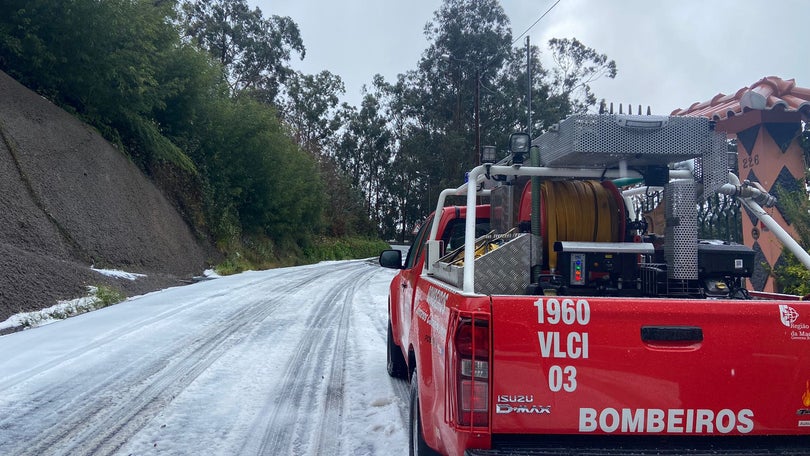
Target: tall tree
{"type": "Point", "coordinates": [578, 66]}
{"type": "Point", "coordinates": [469, 89]}
{"type": "Point", "coordinates": [365, 151]}
{"type": "Point", "coordinates": [312, 112]}
{"type": "Point", "coordinates": [311, 107]}
{"type": "Point", "coordinates": [405, 194]}
{"type": "Point", "coordinates": [254, 51]}
{"type": "Point", "coordinates": [469, 41]}
{"type": "Point", "coordinates": [435, 103]}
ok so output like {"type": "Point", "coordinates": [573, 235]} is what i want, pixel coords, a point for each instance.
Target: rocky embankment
{"type": "Point", "coordinates": [70, 200]}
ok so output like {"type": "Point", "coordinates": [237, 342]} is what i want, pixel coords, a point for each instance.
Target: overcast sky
{"type": "Point", "coordinates": [669, 54]}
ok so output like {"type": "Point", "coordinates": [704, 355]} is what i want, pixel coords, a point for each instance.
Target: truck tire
{"type": "Point", "coordinates": [417, 445]}
{"type": "Point", "coordinates": [397, 367]}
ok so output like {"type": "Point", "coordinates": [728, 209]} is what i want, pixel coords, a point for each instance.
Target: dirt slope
{"type": "Point", "coordinates": [69, 200]}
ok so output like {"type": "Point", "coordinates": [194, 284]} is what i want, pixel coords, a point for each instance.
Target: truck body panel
{"type": "Point", "coordinates": [437, 312]}
{"type": "Point", "coordinates": [649, 366]}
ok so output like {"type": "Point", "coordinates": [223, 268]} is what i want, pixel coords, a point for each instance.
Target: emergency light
{"type": "Point", "coordinates": [489, 154]}
{"type": "Point", "coordinates": [519, 145]}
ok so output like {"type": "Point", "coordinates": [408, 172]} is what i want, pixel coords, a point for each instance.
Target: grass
{"type": "Point", "coordinates": [98, 297]}
{"type": "Point", "coordinates": [261, 253]}
{"type": "Point", "coordinates": [326, 248]}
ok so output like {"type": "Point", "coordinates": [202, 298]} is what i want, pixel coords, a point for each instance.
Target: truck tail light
{"type": "Point", "coordinates": [472, 372]}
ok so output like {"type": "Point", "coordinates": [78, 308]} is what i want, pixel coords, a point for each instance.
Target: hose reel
{"type": "Point", "coordinates": [577, 210]}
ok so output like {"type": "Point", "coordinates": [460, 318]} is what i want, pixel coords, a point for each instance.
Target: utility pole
{"type": "Point", "coordinates": [529, 88]}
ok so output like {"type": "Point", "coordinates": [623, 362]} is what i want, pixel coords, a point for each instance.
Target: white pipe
{"type": "Point", "coordinates": [687, 165]}
{"type": "Point", "coordinates": [778, 231]}
{"type": "Point", "coordinates": [469, 231]}
{"type": "Point", "coordinates": [434, 228]}
{"type": "Point", "coordinates": [753, 191]}
{"type": "Point", "coordinates": [746, 195]}
{"type": "Point", "coordinates": [680, 174]}
{"type": "Point", "coordinates": [743, 191]}
{"type": "Point", "coordinates": [641, 190]}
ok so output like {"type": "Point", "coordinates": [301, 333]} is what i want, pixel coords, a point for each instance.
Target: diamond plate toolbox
{"type": "Point", "coordinates": [504, 270]}
{"type": "Point", "coordinates": [603, 141]}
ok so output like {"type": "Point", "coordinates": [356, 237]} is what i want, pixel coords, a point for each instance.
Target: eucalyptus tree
{"type": "Point", "coordinates": [469, 88]}
{"type": "Point", "coordinates": [405, 203]}
{"type": "Point", "coordinates": [469, 42]}
{"type": "Point", "coordinates": [311, 108]}
{"type": "Point", "coordinates": [365, 150]}
{"type": "Point", "coordinates": [576, 67]}
{"type": "Point", "coordinates": [253, 50]}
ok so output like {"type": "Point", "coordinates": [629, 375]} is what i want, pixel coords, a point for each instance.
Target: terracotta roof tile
{"type": "Point", "coordinates": [802, 103]}
{"type": "Point", "coordinates": [768, 93]}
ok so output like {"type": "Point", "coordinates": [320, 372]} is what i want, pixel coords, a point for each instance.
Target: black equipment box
{"type": "Point", "coordinates": [599, 264]}
{"type": "Point", "coordinates": [717, 260]}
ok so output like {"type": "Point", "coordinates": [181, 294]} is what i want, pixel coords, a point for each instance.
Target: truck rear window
{"type": "Point", "coordinates": [453, 236]}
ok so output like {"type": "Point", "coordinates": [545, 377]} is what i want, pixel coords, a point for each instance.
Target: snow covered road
{"type": "Point", "coordinates": [287, 361]}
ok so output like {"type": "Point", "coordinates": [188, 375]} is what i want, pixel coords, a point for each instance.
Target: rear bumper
{"type": "Point", "coordinates": [576, 445]}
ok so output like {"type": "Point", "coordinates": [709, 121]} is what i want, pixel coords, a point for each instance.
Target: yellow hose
{"type": "Point", "coordinates": [582, 211]}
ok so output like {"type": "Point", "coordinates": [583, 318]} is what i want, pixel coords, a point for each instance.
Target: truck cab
{"type": "Point", "coordinates": [451, 226]}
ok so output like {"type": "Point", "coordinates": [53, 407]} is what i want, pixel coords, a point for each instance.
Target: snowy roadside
{"type": "Point", "coordinates": [70, 308]}
{"type": "Point", "coordinates": [287, 361]}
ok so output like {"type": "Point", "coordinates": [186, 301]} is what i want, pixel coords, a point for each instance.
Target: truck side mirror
{"type": "Point", "coordinates": [391, 259]}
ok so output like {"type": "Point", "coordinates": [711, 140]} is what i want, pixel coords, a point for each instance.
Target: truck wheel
{"type": "Point", "coordinates": [417, 445]}
{"type": "Point", "coordinates": [397, 367]}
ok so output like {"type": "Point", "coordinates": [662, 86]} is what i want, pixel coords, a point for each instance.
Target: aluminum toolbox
{"type": "Point", "coordinates": [504, 270]}
{"type": "Point", "coordinates": [600, 141]}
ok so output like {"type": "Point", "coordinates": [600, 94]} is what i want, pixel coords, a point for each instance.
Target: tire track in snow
{"type": "Point", "coordinates": [121, 332]}
{"type": "Point", "coordinates": [284, 421]}
{"type": "Point", "coordinates": [331, 418]}
{"type": "Point", "coordinates": [101, 419]}
{"type": "Point", "coordinates": [402, 388]}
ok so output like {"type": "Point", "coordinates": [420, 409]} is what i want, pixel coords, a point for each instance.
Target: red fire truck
{"type": "Point", "coordinates": [562, 310]}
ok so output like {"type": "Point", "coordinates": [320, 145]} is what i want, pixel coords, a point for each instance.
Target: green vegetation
{"type": "Point", "coordinates": [263, 161]}
{"type": "Point", "coordinates": [97, 298]}
{"type": "Point", "coordinates": [106, 296]}
{"type": "Point", "coordinates": [262, 254]}
{"type": "Point", "coordinates": [326, 248]}
{"type": "Point", "coordinates": [792, 276]}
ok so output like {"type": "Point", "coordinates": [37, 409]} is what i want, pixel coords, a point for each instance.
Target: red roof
{"type": "Point", "coordinates": [771, 93]}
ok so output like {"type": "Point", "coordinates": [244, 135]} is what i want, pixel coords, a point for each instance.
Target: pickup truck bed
{"type": "Point", "coordinates": [600, 375]}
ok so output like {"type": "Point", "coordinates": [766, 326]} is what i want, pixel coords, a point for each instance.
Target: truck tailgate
{"type": "Point", "coordinates": [599, 365]}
